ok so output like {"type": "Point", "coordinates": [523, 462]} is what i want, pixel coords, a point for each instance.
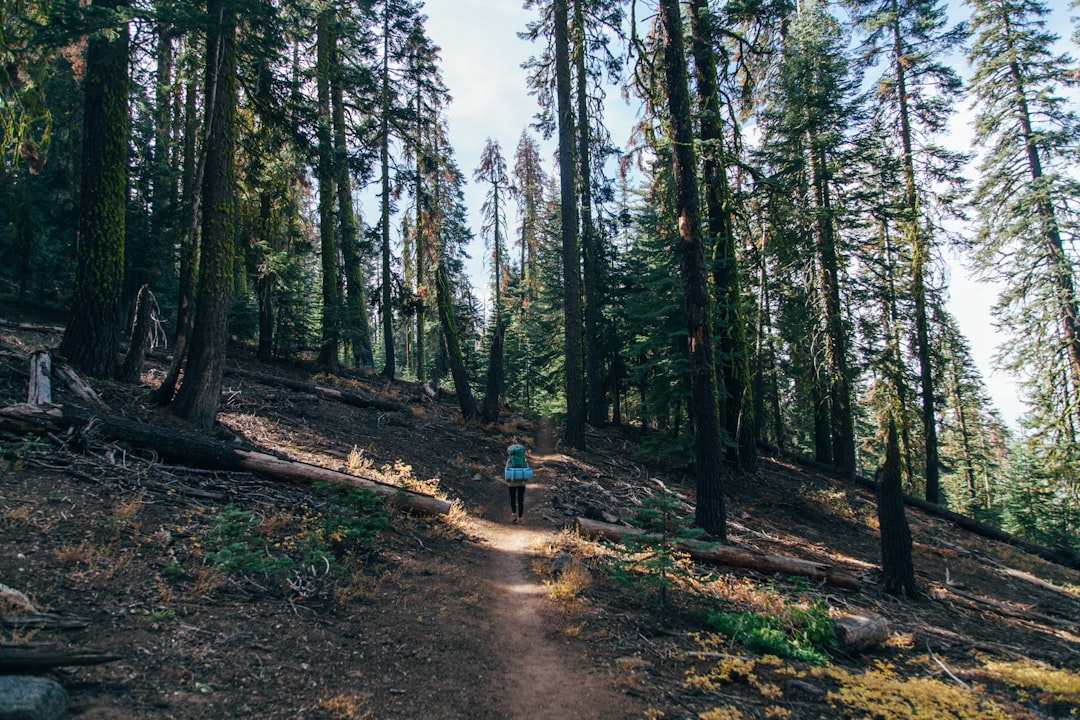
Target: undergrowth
{"type": "Point", "coordinates": [279, 543]}
{"type": "Point", "coordinates": [800, 629]}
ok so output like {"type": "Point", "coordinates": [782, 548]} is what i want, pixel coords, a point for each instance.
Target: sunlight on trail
{"type": "Point", "coordinates": [523, 588]}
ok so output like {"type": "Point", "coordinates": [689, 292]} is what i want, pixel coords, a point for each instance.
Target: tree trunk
{"type": "Point", "coordinates": [919, 252]}
{"type": "Point", "coordinates": [40, 390]}
{"type": "Point", "coordinates": [737, 406]}
{"type": "Point", "coordinates": [861, 632]}
{"type": "Point", "coordinates": [452, 345]}
{"type": "Point", "coordinates": [493, 393]}
{"type": "Point", "coordinates": [389, 364]}
{"type": "Point", "coordinates": [330, 344]}
{"type": "Point", "coordinates": [345, 396]}
{"type": "Point", "coordinates": [199, 395]}
{"type": "Point", "coordinates": [355, 325]}
{"type": "Point", "coordinates": [897, 568]}
{"type": "Point", "coordinates": [194, 167]}
{"type": "Point", "coordinates": [32, 660]}
{"type": "Point", "coordinates": [574, 383]}
{"type": "Point", "coordinates": [141, 333]}
{"type": "Point", "coordinates": [839, 384]}
{"type": "Point", "coordinates": [708, 456]}
{"type": "Point", "coordinates": [92, 340]}
{"type": "Point", "coordinates": [596, 403]}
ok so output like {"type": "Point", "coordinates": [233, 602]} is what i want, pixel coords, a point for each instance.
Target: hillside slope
{"type": "Point", "coordinates": [232, 595]}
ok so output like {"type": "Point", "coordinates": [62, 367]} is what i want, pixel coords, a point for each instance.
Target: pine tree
{"type": "Point", "coordinates": [736, 405]}
{"type": "Point", "coordinates": [199, 394]}
{"type": "Point", "coordinates": [572, 328]}
{"type": "Point", "coordinates": [1026, 223]}
{"type": "Point", "coordinates": [918, 89]}
{"type": "Point", "coordinates": [395, 20]}
{"type": "Point", "coordinates": [811, 104]}
{"type": "Point", "coordinates": [704, 413]}
{"type": "Point", "coordinates": [330, 345]}
{"type": "Point", "coordinates": [92, 339]}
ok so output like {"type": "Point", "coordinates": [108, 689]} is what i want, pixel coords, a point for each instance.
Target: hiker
{"type": "Point", "coordinates": [516, 472]}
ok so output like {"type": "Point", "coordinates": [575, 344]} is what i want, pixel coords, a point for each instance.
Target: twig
{"type": "Point", "coordinates": [948, 672]}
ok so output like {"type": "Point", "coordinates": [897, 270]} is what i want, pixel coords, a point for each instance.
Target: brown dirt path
{"type": "Point", "coordinates": [553, 679]}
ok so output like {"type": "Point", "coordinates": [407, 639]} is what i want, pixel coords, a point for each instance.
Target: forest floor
{"type": "Point", "coordinates": [464, 615]}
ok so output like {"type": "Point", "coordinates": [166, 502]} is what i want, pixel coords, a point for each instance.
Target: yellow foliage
{"type": "Point", "coordinates": [881, 694]}
{"type": "Point", "coordinates": [727, 712]}
{"type": "Point", "coordinates": [725, 670]}
{"type": "Point", "coordinates": [1050, 683]}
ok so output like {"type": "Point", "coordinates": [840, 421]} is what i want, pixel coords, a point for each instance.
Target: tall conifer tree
{"type": "Point", "coordinates": [92, 339]}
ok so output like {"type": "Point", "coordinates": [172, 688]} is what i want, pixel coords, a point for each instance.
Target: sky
{"type": "Point", "coordinates": [481, 63]}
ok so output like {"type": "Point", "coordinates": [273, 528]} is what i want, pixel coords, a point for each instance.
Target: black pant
{"type": "Point", "coordinates": [517, 500]}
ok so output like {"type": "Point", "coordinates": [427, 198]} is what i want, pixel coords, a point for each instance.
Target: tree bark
{"type": "Point", "coordinates": [199, 395]}
{"type": "Point", "coordinates": [493, 393]}
{"type": "Point", "coordinates": [736, 406]}
{"type": "Point", "coordinates": [40, 391]}
{"type": "Point", "coordinates": [571, 262]}
{"type": "Point", "coordinates": [716, 554]}
{"type": "Point", "coordinates": [704, 411]}
{"type": "Point", "coordinates": [92, 339]}
{"type": "Point", "coordinates": [452, 344]}
{"type": "Point", "coordinates": [331, 285]}
{"type": "Point", "coordinates": [897, 568]}
{"type": "Point", "coordinates": [860, 632]}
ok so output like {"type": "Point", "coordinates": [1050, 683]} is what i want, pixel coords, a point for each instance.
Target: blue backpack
{"type": "Point", "coordinates": [517, 468]}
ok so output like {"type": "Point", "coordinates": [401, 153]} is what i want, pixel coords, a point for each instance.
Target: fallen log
{"type": "Point", "coordinates": [32, 327]}
{"type": "Point", "coordinates": [344, 396]}
{"type": "Point", "coordinates": [716, 554]}
{"type": "Point", "coordinates": [77, 385]}
{"type": "Point", "coordinates": [14, 659]}
{"type": "Point", "coordinates": [187, 448]}
{"type": "Point", "coordinates": [859, 632]}
{"type": "Point", "coordinates": [1058, 555]}
{"type": "Point", "coordinates": [44, 621]}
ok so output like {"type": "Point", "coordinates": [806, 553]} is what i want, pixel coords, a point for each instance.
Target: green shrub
{"type": "Point", "coordinates": [796, 630]}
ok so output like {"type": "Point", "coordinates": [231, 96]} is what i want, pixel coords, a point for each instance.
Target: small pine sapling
{"type": "Point", "coordinates": [652, 561]}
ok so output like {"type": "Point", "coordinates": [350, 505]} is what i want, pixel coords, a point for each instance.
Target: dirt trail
{"type": "Point", "coordinates": [553, 679]}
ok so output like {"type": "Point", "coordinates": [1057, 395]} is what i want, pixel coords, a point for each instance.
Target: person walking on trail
{"type": "Point", "coordinates": [516, 472]}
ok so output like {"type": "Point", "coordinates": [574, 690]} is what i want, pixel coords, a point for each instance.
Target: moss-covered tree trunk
{"type": "Point", "coordinates": [199, 395]}
{"type": "Point", "coordinates": [91, 342]}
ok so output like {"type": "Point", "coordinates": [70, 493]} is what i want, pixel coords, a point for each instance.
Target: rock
{"type": "Point", "coordinates": [28, 697]}
{"type": "Point", "coordinates": [559, 563]}
{"type": "Point", "coordinates": [13, 602]}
